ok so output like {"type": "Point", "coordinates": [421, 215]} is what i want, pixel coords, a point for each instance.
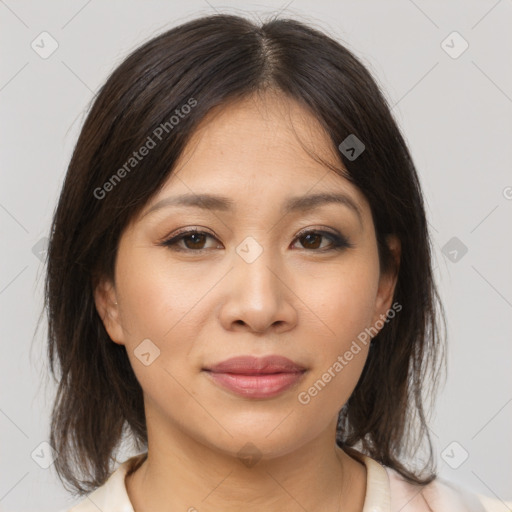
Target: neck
{"type": "Point", "coordinates": [189, 476]}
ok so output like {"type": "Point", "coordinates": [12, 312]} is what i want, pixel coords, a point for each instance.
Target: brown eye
{"type": "Point", "coordinates": [192, 240]}
{"type": "Point", "coordinates": [312, 240]}
{"type": "Point", "coordinates": [196, 240]}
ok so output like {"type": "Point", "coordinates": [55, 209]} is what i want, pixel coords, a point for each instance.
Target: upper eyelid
{"type": "Point", "coordinates": [334, 236]}
{"type": "Point", "coordinates": [204, 231]}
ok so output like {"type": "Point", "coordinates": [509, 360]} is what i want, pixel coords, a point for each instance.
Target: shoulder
{"type": "Point", "coordinates": [438, 496]}
{"type": "Point", "coordinates": [112, 495]}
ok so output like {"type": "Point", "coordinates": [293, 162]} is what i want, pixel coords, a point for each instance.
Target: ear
{"type": "Point", "coordinates": [108, 310]}
{"type": "Point", "coordinates": [387, 280]}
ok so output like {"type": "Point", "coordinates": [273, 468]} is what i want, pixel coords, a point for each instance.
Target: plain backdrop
{"type": "Point", "coordinates": [443, 66]}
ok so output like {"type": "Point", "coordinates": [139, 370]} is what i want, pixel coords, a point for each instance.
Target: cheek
{"type": "Point", "coordinates": [345, 305]}
{"type": "Point", "coordinates": [163, 305]}
{"type": "Point", "coordinates": [156, 306]}
{"type": "Point", "coordinates": [343, 297]}
{"type": "Point", "coordinates": [154, 299]}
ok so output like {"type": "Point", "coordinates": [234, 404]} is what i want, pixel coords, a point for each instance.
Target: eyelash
{"type": "Point", "coordinates": [338, 241]}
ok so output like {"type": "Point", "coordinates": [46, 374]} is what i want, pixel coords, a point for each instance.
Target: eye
{"type": "Point", "coordinates": [192, 239]}
{"type": "Point", "coordinates": [311, 240]}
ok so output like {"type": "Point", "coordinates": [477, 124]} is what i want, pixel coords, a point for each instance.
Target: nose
{"type": "Point", "coordinates": [258, 296]}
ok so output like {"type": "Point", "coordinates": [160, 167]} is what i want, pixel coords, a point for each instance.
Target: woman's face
{"type": "Point", "coordinates": [271, 273]}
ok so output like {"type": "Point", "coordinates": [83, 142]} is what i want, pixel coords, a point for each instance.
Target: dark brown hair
{"type": "Point", "coordinates": [214, 60]}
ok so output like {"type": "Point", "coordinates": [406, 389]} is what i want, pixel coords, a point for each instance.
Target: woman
{"type": "Point", "coordinates": [239, 277]}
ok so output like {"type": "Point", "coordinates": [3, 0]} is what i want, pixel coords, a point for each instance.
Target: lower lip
{"type": "Point", "coordinates": [257, 386]}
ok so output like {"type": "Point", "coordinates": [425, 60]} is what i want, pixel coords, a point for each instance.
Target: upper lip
{"type": "Point", "coordinates": [251, 365]}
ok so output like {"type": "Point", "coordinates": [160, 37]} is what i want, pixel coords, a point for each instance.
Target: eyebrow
{"type": "Point", "coordinates": [292, 204]}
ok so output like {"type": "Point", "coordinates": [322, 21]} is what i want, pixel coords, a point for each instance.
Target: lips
{"type": "Point", "coordinates": [254, 377]}
{"type": "Point", "coordinates": [250, 365]}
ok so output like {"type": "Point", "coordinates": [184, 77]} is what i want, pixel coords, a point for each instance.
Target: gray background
{"type": "Point", "coordinates": [455, 114]}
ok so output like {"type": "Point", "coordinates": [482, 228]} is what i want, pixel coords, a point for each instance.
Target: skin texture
{"type": "Point", "coordinates": [296, 299]}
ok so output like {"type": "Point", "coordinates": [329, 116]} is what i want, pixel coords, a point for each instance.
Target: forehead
{"type": "Point", "coordinates": [260, 125]}
{"type": "Point", "coordinates": [259, 152]}
{"type": "Point", "coordinates": [264, 138]}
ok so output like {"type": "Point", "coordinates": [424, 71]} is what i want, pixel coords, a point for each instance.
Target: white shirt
{"type": "Point", "coordinates": [386, 491]}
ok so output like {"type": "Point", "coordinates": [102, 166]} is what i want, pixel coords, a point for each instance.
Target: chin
{"type": "Point", "coordinates": [253, 441]}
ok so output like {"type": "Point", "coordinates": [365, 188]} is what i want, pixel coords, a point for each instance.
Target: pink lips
{"type": "Point", "coordinates": [255, 377]}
